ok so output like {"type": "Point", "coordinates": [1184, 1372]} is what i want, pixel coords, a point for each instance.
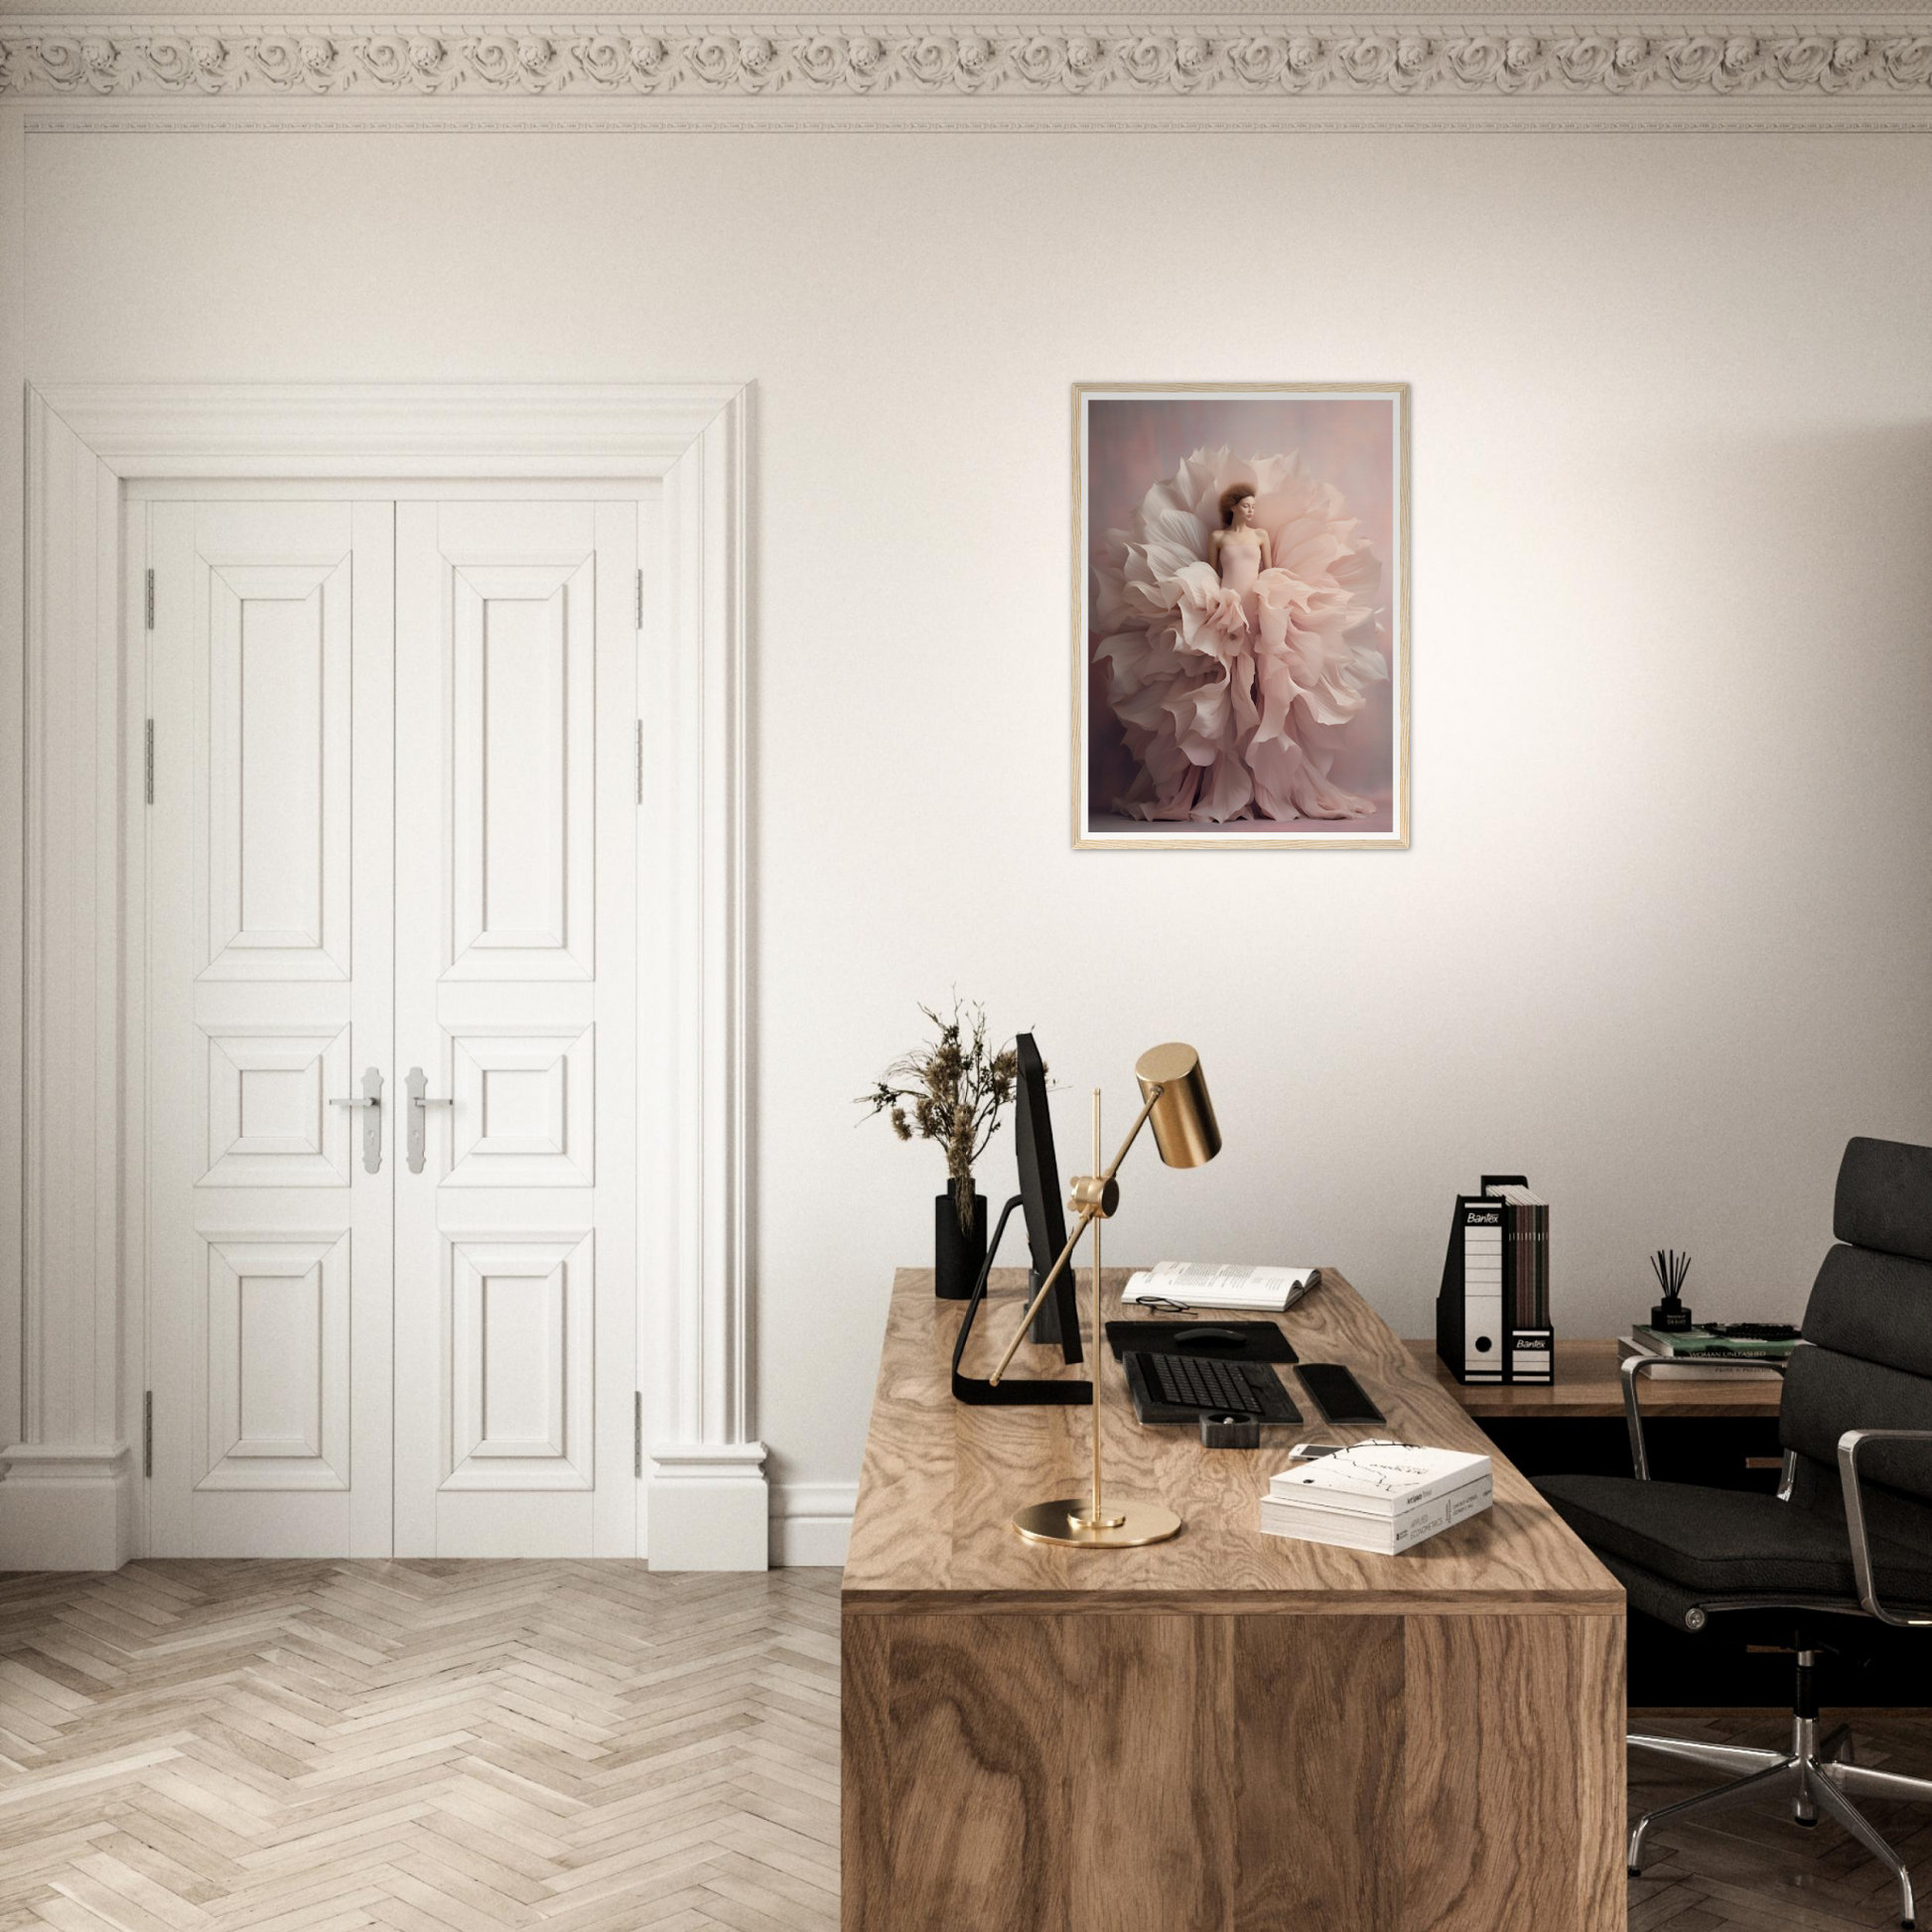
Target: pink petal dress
{"type": "Point", "coordinates": [1234, 689]}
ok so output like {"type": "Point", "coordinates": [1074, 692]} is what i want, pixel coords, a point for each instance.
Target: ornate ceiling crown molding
{"type": "Point", "coordinates": [1251, 61]}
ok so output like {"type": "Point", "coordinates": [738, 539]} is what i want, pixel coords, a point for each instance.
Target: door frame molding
{"type": "Point", "coordinates": [77, 1311]}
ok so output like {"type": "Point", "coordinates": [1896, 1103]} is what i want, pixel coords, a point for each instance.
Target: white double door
{"type": "Point", "coordinates": [390, 859]}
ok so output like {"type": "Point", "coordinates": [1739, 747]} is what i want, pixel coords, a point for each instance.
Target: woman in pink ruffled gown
{"type": "Point", "coordinates": [1238, 651]}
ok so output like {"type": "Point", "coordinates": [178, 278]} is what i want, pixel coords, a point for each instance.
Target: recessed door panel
{"type": "Point", "coordinates": [277, 798]}
{"type": "Point", "coordinates": [522, 1341]}
{"type": "Point", "coordinates": [522, 769]}
{"type": "Point", "coordinates": [526, 1107]}
{"type": "Point", "coordinates": [266, 1107]}
{"type": "Point", "coordinates": [276, 1393]}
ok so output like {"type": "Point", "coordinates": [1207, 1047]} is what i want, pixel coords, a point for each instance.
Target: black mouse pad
{"type": "Point", "coordinates": [1215, 1341]}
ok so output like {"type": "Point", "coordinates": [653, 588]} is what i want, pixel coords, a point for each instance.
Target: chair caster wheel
{"type": "Point", "coordinates": [1807, 1823]}
{"type": "Point", "coordinates": [1633, 1872]}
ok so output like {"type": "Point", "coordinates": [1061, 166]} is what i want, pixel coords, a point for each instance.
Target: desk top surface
{"type": "Point", "coordinates": [941, 1480]}
{"type": "Point", "coordinates": [1588, 1385]}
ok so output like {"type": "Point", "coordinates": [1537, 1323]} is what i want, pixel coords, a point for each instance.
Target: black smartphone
{"type": "Point", "coordinates": [1338, 1394]}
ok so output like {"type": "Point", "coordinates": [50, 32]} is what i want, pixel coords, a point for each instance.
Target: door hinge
{"type": "Point", "coordinates": [637, 1434]}
{"type": "Point", "coordinates": [148, 761]}
{"type": "Point", "coordinates": [147, 1433]}
{"type": "Point", "coordinates": [641, 598]}
{"type": "Point", "coordinates": [150, 599]}
{"type": "Point", "coordinates": [640, 760]}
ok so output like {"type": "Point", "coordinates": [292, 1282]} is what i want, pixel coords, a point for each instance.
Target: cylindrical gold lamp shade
{"type": "Point", "coordinates": [1185, 1128]}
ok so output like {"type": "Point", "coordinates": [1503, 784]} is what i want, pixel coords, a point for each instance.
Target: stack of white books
{"type": "Point", "coordinates": [1385, 1497]}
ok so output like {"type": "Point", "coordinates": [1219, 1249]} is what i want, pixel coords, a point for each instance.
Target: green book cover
{"type": "Point", "coordinates": [1700, 1341]}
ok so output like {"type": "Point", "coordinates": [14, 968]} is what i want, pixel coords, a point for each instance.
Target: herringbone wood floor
{"type": "Point", "coordinates": [323, 1747]}
{"type": "Point", "coordinates": [569, 1746]}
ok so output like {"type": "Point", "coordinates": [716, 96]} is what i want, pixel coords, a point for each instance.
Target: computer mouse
{"type": "Point", "coordinates": [1210, 1338]}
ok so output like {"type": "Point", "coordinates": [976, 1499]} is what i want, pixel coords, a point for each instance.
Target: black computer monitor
{"type": "Point", "coordinates": [1058, 1321]}
{"type": "Point", "coordinates": [1039, 1192]}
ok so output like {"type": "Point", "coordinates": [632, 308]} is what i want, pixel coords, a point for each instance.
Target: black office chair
{"type": "Point", "coordinates": [1848, 1535]}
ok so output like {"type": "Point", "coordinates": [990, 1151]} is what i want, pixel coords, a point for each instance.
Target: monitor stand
{"type": "Point", "coordinates": [1011, 1391]}
{"type": "Point", "coordinates": [1046, 1324]}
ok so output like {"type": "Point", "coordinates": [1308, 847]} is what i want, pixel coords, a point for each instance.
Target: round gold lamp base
{"type": "Point", "coordinates": [1127, 1526]}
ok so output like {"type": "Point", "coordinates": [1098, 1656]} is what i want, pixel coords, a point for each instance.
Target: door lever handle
{"type": "Point", "coordinates": [417, 1081]}
{"type": "Point", "coordinates": [371, 1098]}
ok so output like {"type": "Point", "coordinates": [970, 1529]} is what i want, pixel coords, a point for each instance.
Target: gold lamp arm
{"type": "Point", "coordinates": [1033, 1307]}
{"type": "Point", "coordinates": [1101, 1187]}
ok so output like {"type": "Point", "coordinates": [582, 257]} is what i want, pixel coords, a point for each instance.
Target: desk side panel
{"type": "Point", "coordinates": [1151, 1781]}
{"type": "Point", "coordinates": [1163, 1773]}
{"type": "Point", "coordinates": [1513, 1773]}
{"type": "Point", "coordinates": [1318, 1748]}
{"type": "Point", "coordinates": [956, 1777]}
{"type": "Point", "coordinates": [865, 1769]}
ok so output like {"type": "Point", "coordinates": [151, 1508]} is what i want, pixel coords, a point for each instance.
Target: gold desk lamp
{"type": "Point", "coordinates": [1174, 1099]}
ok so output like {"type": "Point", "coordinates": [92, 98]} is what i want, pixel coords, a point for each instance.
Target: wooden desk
{"type": "Point", "coordinates": [1588, 1385]}
{"type": "Point", "coordinates": [1228, 1733]}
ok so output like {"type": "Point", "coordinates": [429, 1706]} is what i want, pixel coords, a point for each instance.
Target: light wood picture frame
{"type": "Point", "coordinates": [1241, 668]}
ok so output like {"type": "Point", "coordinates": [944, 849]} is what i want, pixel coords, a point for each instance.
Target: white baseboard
{"type": "Point", "coordinates": [710, 1507]}
{"type": "Point", "coordinates": [73, 1508]}
{"type": "Point", "coordinates": [67, 1506]}
{"type": "Point", "coordinates": [811, 1523]}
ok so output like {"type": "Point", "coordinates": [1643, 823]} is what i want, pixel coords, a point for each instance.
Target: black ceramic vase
{"type": "Point", "coordinates": [957, 1258]}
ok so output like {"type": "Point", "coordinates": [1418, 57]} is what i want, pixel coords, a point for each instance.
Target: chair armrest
{"type": "Point", "coordinates": [1635, 1365]}
{"type": "Point", "coordinates": [1849, 1446]}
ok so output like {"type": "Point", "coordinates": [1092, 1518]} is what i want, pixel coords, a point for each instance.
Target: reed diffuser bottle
{"type": "Point", "coordinates": [1670, 1314]}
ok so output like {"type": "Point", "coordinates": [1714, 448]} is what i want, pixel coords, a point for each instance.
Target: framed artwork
{"type": "Point", "coordinates": [1241, 615]}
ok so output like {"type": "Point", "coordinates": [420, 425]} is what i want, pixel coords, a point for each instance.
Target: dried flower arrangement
{"type": "Point", "coordinates": [950, 1092]}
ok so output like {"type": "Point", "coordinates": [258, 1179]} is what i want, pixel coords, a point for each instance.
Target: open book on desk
{"type": "Point", "coordinates": [1212, 1284]}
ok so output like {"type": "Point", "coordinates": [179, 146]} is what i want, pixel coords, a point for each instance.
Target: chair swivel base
{"type": "Point", "coordinates": [1818, 1774]}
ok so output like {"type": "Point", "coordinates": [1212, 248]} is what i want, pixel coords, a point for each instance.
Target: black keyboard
{"type": "Point", "coordinates": [1207, 1387]}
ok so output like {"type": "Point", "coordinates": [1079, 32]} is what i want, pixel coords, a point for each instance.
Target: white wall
{"type": "Point", "coordinates": [1661, 941]}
